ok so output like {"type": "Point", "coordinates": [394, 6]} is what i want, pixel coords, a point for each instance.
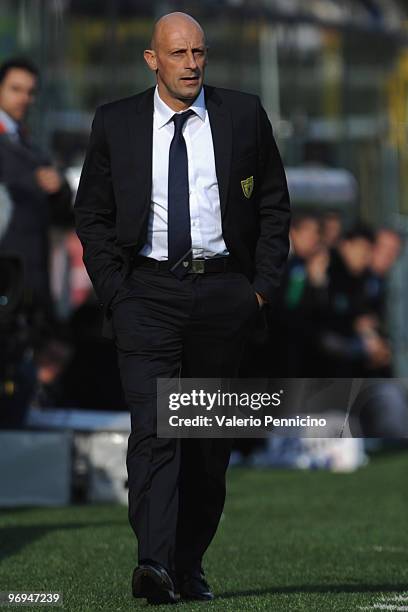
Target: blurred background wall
{"type": "Point", "coordinates": [332, 74]}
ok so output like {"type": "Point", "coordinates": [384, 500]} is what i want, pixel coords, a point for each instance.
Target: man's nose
{"type": "Point", "coordinates": [191, 60]}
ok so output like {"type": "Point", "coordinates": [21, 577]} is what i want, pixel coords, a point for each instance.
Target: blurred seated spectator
{"type": "Point", "coordinates": [346, 350]}
{"type": "Point", "coordinates": [331, 322]}
{"type": "Point", "coordinates": [292, 342]}
{"type": "Point", "coordinates": [387, 248]}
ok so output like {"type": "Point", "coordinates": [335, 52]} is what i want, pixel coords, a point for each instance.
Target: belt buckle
{"type": "Point", "coordinates": [197, 266]}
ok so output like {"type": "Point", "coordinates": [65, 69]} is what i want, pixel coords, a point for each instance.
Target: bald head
{"type": "Point", "coordinates": [178, 56]}
{"type": "Point", "coordinates": [174, 22]}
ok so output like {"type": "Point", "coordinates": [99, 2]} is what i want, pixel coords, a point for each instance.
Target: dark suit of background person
{"type": "Point", "coordinates": [161, 323]}
{"type": "Point", "coordinates": [33, 212]}
{"type": "Point", "coordinates": [39, 195]}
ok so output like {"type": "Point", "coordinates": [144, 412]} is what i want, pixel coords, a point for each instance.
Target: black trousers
{"type": "Point", "coordinates": [165, 327]}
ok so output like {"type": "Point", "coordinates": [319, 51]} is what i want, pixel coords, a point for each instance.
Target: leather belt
{"type": "Point", "coordinates": [198, 266]}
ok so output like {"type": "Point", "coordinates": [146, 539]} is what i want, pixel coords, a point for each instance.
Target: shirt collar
{"type": "Point", "coordinates": [10, 125]}
{"type": "Point", "coordinates": [164, 113]}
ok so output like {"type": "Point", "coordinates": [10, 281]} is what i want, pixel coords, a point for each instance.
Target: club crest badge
{"type": "Point", "coordinates": [248, 186]}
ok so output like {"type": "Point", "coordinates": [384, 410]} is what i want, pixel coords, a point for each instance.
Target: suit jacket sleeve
{"type": "Point", "coordinates": [95, 215]}
{"type": "Point", "coordinates": [274, 212]}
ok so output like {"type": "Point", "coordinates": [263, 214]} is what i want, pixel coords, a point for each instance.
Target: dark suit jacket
{"type": "Point", "coordinates": [114, 195]}
{"type": "Point", "coordinates": [33, 212]}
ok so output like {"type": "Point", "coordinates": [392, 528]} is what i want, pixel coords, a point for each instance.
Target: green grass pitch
{"type": "Point", "coordinates": [288, 541]}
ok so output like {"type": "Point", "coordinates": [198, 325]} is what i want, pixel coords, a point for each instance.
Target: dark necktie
{"type": "Point", "coordinates": [178, 205]}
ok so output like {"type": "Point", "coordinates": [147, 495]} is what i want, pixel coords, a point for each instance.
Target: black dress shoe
{"type": "Point", "coordinates": [193, 585]}
{"type": "Point", "coordinates": [152, 581]}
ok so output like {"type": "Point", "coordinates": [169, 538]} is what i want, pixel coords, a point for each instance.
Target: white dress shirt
{"type": "Point", "coordinates": [205, 211]}
{"type": "Point", "coordinates": [10, 125]}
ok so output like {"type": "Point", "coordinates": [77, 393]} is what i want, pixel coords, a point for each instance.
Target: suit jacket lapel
{"type": "Point", "coordinates": [221, 129]}
{"type": "Point", "coordinates": [136, 165]}
{"type": "Point", "coordinates": [140, 134]}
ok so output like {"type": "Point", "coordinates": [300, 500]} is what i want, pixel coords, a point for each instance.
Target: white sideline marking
{"type": "Point", "coordinates": [377, 548]}
{"type": "Point", "coordinates": [380, 606]}
{"type": "Point", "coordinates": [400, 598]}
{"type": "Point", "coordinates": [391, 549]}
{"type": "Point", "coordinates": [386, 603]}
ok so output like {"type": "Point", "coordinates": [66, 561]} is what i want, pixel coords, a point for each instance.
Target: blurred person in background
{"type": "Point", "coordinates": [387, 248]}
{"type": "Point", "coordinates": [332, 228]}
{"type": "Point", "coordinates": [330, 318]}
{"type": "Point", "coordinates": [338, 326]}
{"type": "Point", "coordinates": [345, 350]}
{"type": "Point", "coordinates": [325, 305]}
{"type": "Point", "coordinates": [38, 198]}
{"type": "Point", "coordinates": [292, 319]}
{"type": "Point", "coordinates": [305, 236]}
{"type": "Point", "coordinates": [383, 407]}
{"type": "Point", "coordinates": [39, 193]}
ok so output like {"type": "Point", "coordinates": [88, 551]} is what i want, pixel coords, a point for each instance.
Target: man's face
{"type": "Point", "coordinates": [179, 60]}
{"type": "Point", "coordinates": [386, 251]}
{"type": "Point", "coordinates": [17, 92]}
{"type": "Point", "coordinates": [305, 238]}
{"type": "Point", "coordinates": [357, 253]}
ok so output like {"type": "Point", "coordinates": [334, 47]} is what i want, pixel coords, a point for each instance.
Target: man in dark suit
{"type": "Point", "coordinates": [39, 194]}
{"type": "Point", "coordinates": [183, 212]}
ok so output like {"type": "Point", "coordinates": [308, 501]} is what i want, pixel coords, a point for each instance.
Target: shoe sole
{"type": "Point", "coordinates": [191, 597]}
{"type": "Point", "coordinates": [147, 585]}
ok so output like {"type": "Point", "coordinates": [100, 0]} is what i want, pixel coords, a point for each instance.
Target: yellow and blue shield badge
{"type": "Point", "coordinates": [248, 186]}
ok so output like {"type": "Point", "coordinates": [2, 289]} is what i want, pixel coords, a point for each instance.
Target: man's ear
{"type": "Point", "coordinates": [150, 59]}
